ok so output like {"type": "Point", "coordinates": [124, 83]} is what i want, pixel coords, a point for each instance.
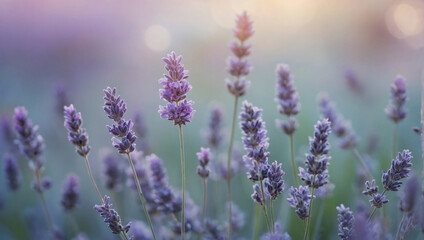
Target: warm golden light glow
{"type": "Point", "coordinates": [157, 38]}
{"type": "Point", "coordinates": [405, 19]}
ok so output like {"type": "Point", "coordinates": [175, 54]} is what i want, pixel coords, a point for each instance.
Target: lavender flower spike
{"type": "Point", "coordinates": [299, 199]}
{"type": "Point", "coordinates": [409, 196]}
{"type": "Point", "coordinates": [204, 156]}
{"type": "Point", "coordinates": [395, 109]}
{"type": "Point", "coordinates": [76, 134]}
{"type": "Point", "coordinates": [275, 183]}
{"type": "Point", "coordinates": [346, 222]}
{"type": "Point", "coordinates": [111, 217]}
{"type": "Point", "coordinates": [12, 173]}
{"type": "Point", "coordinates": [399, 169]}
{"type": "Point", "coordinates": [174, 91]}
{"type": "Point", "coordinates": [70, 193]}
{"type": "Point", "coordinates": [214, 135]}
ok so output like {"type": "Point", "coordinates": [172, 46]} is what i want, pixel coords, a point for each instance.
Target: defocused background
{"type": "Point", "coordinates": [85, 46]}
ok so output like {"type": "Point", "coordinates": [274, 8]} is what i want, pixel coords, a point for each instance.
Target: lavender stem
{"type": "Point", "coordinates": [256, 228]}
{"type": "Point", "coordinates": [183, 183]}
{"type": "Point", "coordinates": [310, 208]}
{"type": "Point", "coordinates": [272, 217]}
{"type": "Point", "coordinates": [264, 205]}
{"type": "Point", "coordinates": [394, 141]}
{"type": "Point", "coordinates": [87, 163]}
{"type": "Point", "coordinates": [204, 201]}
{"type": "Point", "coordinates": [400, 226]}
{"type": "Point", "coordinates": [43, 201]}
{"type": "Point", "coordinates": [374, 210]}
{"type": "Point", "coordinates": [140, 194]}
{"type": "Point", "coordinates": [361, 161]}
{"type": "Point", "coordinates": [230, 151]}
{"type": "Point", "coordinates": [293, 162]}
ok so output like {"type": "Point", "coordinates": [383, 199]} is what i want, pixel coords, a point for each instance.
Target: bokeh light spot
{"type": "Point", "coordinates": [157, 38]}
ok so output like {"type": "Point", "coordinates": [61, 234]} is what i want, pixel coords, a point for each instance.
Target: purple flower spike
{"type": "Point", "coordinates": [115, 109]}
{"type": "Point", "coordinates": [275, 183]}
{"type": "Point", "coordinates": [395, 110]}
{"type": "Point", "coordinates": [299, 199]}
{"type": "Point", "coordinates": [238, 87]}
{"type": "Point", "coordinates": [204, 157]}
{"type": "Point", "coordinates": [174, 91]}
{"type": "Point", "coordinates": [111, 217]}
{"type": "Point", "coordinates": [12, 173]}
{"type": "Point", "coordinates": [287, 95]}
{"type": "Point", "coordinates": [31, 144]}
{"type": "Point", "coordinates": [243, 28]}
{"type": "Point", "coordinates": [257, 195]}
{"type": "Point", "coordinates": [76, 134]}
{"type": "Point", "coordinates": [398, 170]}
{"type": "Point", "coordinates": [346, 222]}
{"type": "Point", "coordinates": [409, 196]}
{"type": "Point", "coordinates": [214, 135]}
{"type": "Point", "coordinates": [70, 193]}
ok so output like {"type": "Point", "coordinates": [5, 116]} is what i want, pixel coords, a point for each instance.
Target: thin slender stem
{"type": "Point", "coordinates": [230, 152]}
{"type": "Point", "coordinates": [264, 205]}
{"type": "Point", "coordinates": [293, 162]}
{"type": "Point", "coordinates": [394, 141]}
{"type": "Point", "coordinates": [361, 161]}
{"type": "Point", "coordinates": [310, 209]}
{"type": "Point", "coordinates": [205, 189]}
{"type": "Point", "coordinates": [87, 163]}
{"type": "Point", "coordinates": [272, 216]}
{"type": "Point", "coordinates": [126, 236]}
{"type": "Point", "coordinates": [400, 226]}
{"type": "Point", "coordinates": [374, 210]}
{"type": "Point", "coordinates": [140, 194]}
{"type": "Point", "coordinates": [257, 222]}
{"type": "Point", "coordinates": [319, 219]}
{"type": "Point", "coordinates": [43, 202]}
{"type": "Point", "coordinates": [183, 183]}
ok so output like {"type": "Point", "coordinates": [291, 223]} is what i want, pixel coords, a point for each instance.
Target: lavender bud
{"type": "Point", "coordinates": [240, 50]}
{"type": "Point", "coordinates": [287, 96]}
{"type": "Point", "coordinates": [111, 217]}
{"type": "Point", "coordinates": [395, 109]}
{"type": "Point", "coordinates": [76, 134]}
{"type": "Point", "coordinates": [238, 68]}
{"type": "Point", "coordinates": [257, 195]}
{"type": "Point", "coordinates": [371, 189]}
{"type": "Point", "coordinates": [204, 156]}
{"type": "Point", "coordinates": [12, 173]}
{"type": "Point", "coordinates": [115, 107]}
{"type": "Point", "coordinates": [238, 87]}
{"type": "Point", "coordinates": [289, 126]}
{"type": "Point", "coordinates": [299, 199]}
{"type": "Point", "coordinates": [399, 169]}
{"type": "Point", "coordinates": [174, 91]}
{"type": "Point", "coordinates": [243, 28]}
{"type": "Point", "coordinates": [275, 183]}
{"type": "Point", "coordinates": [70, 192]}
{"type": "Point", "coordinates": [378, 200]}
{"type": "Point", "coordinates": [346, 222]}
{"type": "Point", "coordinates": [409, 196]}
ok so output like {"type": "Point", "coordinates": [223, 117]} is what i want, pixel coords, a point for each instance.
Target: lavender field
{"type": "Point", "coordinates": [236, 119]}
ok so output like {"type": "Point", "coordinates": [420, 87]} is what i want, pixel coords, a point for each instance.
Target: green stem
{"type": "Point", "coordinates": [257, 222]}
{"type": "Point", "coordinates": [361, 161]}
{"type": "Point", "coordinates": [183, 183]}
{"type": "Point", "coordinates": [264, 205]}
{"type": "Point", "coordinates": [272, 217]}
{"type": "Point", "coordinates": [126, 236]}
{"type": "Point", "coordinates": [293, 162]}
{"type": "Point", "coordinates": [140, 194]}
{"type": "Point", "coordinates": [394, 141]}
{"type": "Point", "coordinates": [310, 208]}
{"type": "Point", "coordinates": [230, 152]}
{"type": "Point", "coordinates": [90, 174]}
{"type": "Point", "coordinates": [204, 201]}
{"type": "Point", "coordinates": [400, 226]}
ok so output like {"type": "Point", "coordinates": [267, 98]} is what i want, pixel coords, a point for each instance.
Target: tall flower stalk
{"type": "Point", "coordinates": [316, 173]}
{"type": "Point", "coordinates": [78, 136]}
{"type": "Point", "coordinates": [178, 109]}
{"type": "Point", "coordinates": [31, 145]}
{"type": "Point", "coordinates": [288, 100]}
{"type": "Point", "coordinates": [395, 110]}
{"type": "Point", "coordinates": [124, 138]}
{"type": "Point", "coordinates": [239, 68]}
{"type": "Point", "coordinates": [203, 171]}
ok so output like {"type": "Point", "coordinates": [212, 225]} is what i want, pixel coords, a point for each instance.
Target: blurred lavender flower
{"type": "Point", "coordinates": [7, 132]}
{"type": "Point", "coordinates": [317, 161]}
{"type": "Point", "coordinates": [395, 109]}
{"type": "Point", "coordinates": [81, 236]}
{"type": "Point", "coordinates": [409, 196]}
{"type": "Point", "coordinates": [61, 98]}
{"type": "Point", "coordinates": [214, 230]}
{"type": "Point", "coordinates": [287, 98]}
{"type": "Point", "coordinates": [341, 128]}
{"type": "Point", "coordinates": [239, 67]}
{"type": "Point", "coordinates": [115, 109]}
{"type": "Point", "coordinates": [167, 201]}
{"type": "Point", "coordinates": [31, 144]}
{"type": "Point", "coordinates": [70, 192]}
{"type": "Point", "coordinates": [204, 157]}
{"type": "Point", "coordinates": [140, 231]}
{"type": "Point", "coordinates": [399, 169]}
{"type": "Point", "coordinates": [255, 141]}
{"type": "Point", "coordinates": [275, 183]}
{"type": "Point", "coordinates": [277, 234]}
{"type": "Point", "coordinates": [214, 135]}
{"type": "Point", "coordinates": [353, 82]}
{"type": "Point", "coordinates": [346, 222]}
{"type": "Point", "coordinates": [299, 199]}
{"type": "Point", "coordinates": [237, 165]}
{"type": "Point", "coordinates": [141, 131]}
{"type": "Point", "coordinates": [377, 200]}
{"type": "Point", "coordinates": [112, 171]}
{"type": "Point", "coordinates": [174, 91]}
{"type": "Point", "coordinates": [12, 173]}
{"type": "Point", "coordinates": [237, 218]}
{"type": "Point", "coordinates": [257, 195]}
{"type": "Point", "coordinates": [76, 134]}
{"type": "Point", "coordinates": [362, 228]}
{"type": "Point", "coordinates": [111, 217]}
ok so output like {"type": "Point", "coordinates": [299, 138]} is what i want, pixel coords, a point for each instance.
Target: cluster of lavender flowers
{"type": "Point", "coordinates": [76, 134]}
{"type": "Point", "coordinates": [395, 109]}
{"type": "Point", "coordinates": [346, 222]}
{"type": "Point", "coordinates": [238, 66]}
{"type": "Point", "coordinates": [300, 199]}
{"type": "Point", "coordinates": [111, 217]}
{"type": "Point", "coordinates": [12, 173]}
{"type": "Point", "coordinates": [204, 157]}
{"type": "Point", "coordinates": [70, 192]}
{"type": "Point", "coordinates": [287, 98]}
{"type": "Point", "coordinates": [391, 180]}
{"type": "Point", "coordinates": [174, 91]}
